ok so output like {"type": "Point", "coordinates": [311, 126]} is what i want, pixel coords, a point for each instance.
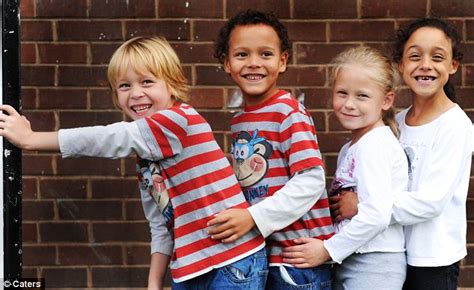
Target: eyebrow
{"type": "Point", "coordinates": [436, 48]}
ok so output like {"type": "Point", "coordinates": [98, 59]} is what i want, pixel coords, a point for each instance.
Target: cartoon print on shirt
{"type": "Point", "coordinates": [152, 181]}
{"type": "Point", "coordinates": [250, 158]}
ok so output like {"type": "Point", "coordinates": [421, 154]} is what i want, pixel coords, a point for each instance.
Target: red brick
{"type": "Point", "coordinates": [28, 53]}
{"type": "Point", "coordinates": [63, 188]}
{"type": "Point", "coordinates": [195, 52]}
{"type": "Point", "coordinates": [220, 139]}
{"type": "Point", "coordinates": [319, 119]}
{"type": "Point", "coordinates": [170, 29]}
{"type": "Point", "coordinates": [29, 232]}
{"type": "Point", "coordinates": [393, 8]}
{"type": "Point", "coordinates": [122, 8]}
{"type": "Point", "coordinates": [64, 232]}
{"type": "Point", "coordinates": [36, 30]}
{"type": "Point", "coordinates": [89, 210]}
{"type": "Point", "coordinates": [469, 29]}
{"type": "Point", "coordinates": [212, 76]}
{"type": "Point", "coordinates": [466, 276]}
{"type": "Point", "coordinates": [330, 161]}
{"type": "Point", "coordinates": [29, 272]}
{"type": "Point", "coordinates": [88, 166]}
{"type": "Point", "coordinates": [130, 167]}
{"type": "Point", "coordinates": [61, 8]}
{"type": "Point", "coordinates": [332, 142]}
{"type": "Point", "coordinates": [62, 277]}
{"type": "Point", "coordinates": [206, 98]}
{"type": "Point", "coordinates": [280, 8]}
{"type": "Point", "coordinates": [325, 9]}
{"type": "Point", "coordinates": [41, 121]}
{"type": "Point", "coordinates": [317, 53]}
{"type": "Point", "coordinates": [82, 76]}
{"type": "Point", "coordinates": [464, 97]}
{"type": "Point", "coordinates": [30, 188]}
{"type": "Point", "coordinates": [206, 30]}
{"type": "Point", "coordinates": [298, 30]}
{"type": "Point", "coordinates": [36, 164]}
{"type": "Point", "coordinates": [27, 8]}
{"type": "Point", "coordinates": [458, 8]}
{"type": "Point", "coordinates": [37, 75]}
{"type": "Point", "coordinates": [317, 98]}
{"type": "Point", "coordinates": [137, 255]}
{"type": "Point", "coordinates": [62, 53]}
{"type": "Point", "coordinates": [470, 231]}
{"type": "Point", "coordinates": [28, 98]}
{"type": "Point", "coordinates": [303, 76]}
{"type": "Point", "coordinates": [191, 9]}
{"type": "Point", "coordinates": [101, 53]}
{"type": "Point", "coordinates": [74, 119]}
{"type": "Point", "coordinates": [119, 277]}
{"type": "Point", "coordinates": [469, 75]}
{"type": "Point", "coordinates": [90, 255]}
{"type": "Point", "coordinates": [121, 232]}
{"type": "Point", "coordinates": [37, 210]}
{"type": "Point", "coordinates": [39, 255]}
{"type": "Point", "coordinates": [220, 121]}
{"type": "Point", "coordinates": [101, 99]}
{"type": "Point", "coordinates": [362, 30]}
{"type": "Point", "coordinates": [89, 30]}
{"type": "Point", "coordinates": [115, 188]}
{"type": "Point", "coordinates": [470, 209]}
{"type": "Point", "coordinates": [403, 98]}
{"type": "Point", "coordinates": [62, 99]}
{"type": "Point", "coordinates": [134, 211]}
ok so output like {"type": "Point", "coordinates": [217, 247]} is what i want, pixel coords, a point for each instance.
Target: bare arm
{"type": "Point", "coordinates": [17, 129]}
{"type": "Point", "coordinates": [158, 266]}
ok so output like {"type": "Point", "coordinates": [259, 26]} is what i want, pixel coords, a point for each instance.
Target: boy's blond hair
{"type": "Point", "coordinates": [149, 54]}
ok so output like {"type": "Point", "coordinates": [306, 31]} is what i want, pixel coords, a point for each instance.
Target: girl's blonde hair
{"type": "Point", "coordinates": [384, 74]}
{"type": "Point", "coordinates": [149, 54]}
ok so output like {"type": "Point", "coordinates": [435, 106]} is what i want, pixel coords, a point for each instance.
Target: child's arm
{"type": "Point", "coordinates": [17, 129]}
{"type": "Point", "coordinates": [308, 253]}
{"type": "Point", "coordinates": [275, 212]}
{"type": "Point", "coordinates": [158, 266]}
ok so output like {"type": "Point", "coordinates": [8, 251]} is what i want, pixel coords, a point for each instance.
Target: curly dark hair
{"type": "Point", "coordinates": [404, 34]}
{"type": "Point", "coordinates": [249, 17]}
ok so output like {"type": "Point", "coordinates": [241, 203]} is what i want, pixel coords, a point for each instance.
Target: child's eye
{"type": "Point", "coordinates": [240, 54]}
{"type": "Point", "coordinates": [414, 57]}
{"type": "Point", "coordinates": [363, 96]}
{"type": "Point", "coordinates": [267, 53]}
{"type": "Point", "coordinates": [123, 86]}
{"type": "Point", "coordinates": [438, 58]}
{"type": "Point", "coordinates": [147, 82]}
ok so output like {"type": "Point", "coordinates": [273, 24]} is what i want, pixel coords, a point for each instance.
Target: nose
{"type": "Point", "coordinates": [425, 63]}
{"type": "Point", "coordinates": [136, 92]}
{"type": "Point", "coordinates": [349, 103]}
{"type": "Point", "coordinates": [254, 61]}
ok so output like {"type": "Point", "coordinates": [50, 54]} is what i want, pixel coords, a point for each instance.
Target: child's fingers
{"type": "Point", "coordinates": [302, 240]}
{"type": "Point", "coordinates": [231, 239]}
{"type": "Point", "coordinates": [219, 219]}
{"type": "Point", "coordinates": [222, 235]}
{"type": "Point", "coordinates": [334, 199]}
{"type": "Point", "coordinates": [294, 261]}
{"type": "Point", "coordinates": [9, 109]}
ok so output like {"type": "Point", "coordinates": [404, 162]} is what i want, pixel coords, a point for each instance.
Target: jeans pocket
{"type": "Point", "coordinates": [326, 285]}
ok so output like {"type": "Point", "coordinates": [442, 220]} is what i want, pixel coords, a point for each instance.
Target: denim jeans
{"type": "Point", "coordinates": [247, 273]}
{"type": "Point", "coordinates": [432, 278]}
{"type": "Point", "coordinates": [311, 278]}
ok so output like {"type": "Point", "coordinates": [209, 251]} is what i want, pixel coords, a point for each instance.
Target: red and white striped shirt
{"type": "Point", "coordinates": [271, 142]}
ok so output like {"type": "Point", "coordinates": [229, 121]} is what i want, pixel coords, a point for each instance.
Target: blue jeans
{"type": "Point", "coordinates": [432, 278]}
{"type": "Point", "coordinates": [248, 273]}
{"type": "Point", "coordinates": [311, 278]}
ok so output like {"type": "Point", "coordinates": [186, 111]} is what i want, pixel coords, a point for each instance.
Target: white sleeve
{"type": "Point", "coordinates": [289, 203]}
{"type": "Point", "coordinates": [112, 141]}
{"type": "Point", "coordinates": [374, 181]}
{"type": "Point", "coordinates": [449, 158]}
{"type": "Point", "coordinates": [161, 238]}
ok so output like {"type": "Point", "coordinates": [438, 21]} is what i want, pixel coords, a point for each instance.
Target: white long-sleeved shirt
{"type": "Point", "coordinates": [378, 167]}
{"type": "Point", "coordinates": [434, 208]}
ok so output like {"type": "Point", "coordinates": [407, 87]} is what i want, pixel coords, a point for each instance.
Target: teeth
{"type": "Point", "coordinates": [140, 108]}
{"type": "Point", "coordinates": [424, 78]}
{"type": "Point", "coordinates": [253, 77]}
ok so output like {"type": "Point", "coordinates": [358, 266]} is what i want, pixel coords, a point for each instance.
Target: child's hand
{"type": "Point", "coordinates": [14, 127]}
{"type": "Point", "coordinates": [230, 225]}
{"type": "Point", "coordinates": [308, 253]}
{"type": "Point", "coordinates": [344, 205]}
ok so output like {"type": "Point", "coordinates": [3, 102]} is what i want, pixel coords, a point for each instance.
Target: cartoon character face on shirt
{"type": "Point", "coordinates": [250, 154]}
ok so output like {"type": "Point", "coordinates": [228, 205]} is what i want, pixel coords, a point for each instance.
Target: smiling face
{"type": "Point", "coordinates": [358, 101]}
{"type": "Point", "coordinates": [427, 62]}
{"type": "Point", "coordinates": [141, 95]}
{"type": "Point", "coordinates": [255, 61]}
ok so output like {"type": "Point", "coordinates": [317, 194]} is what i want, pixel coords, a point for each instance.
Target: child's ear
{"type": "Point", "coordinates": [400, 66]}
{"type": "Point", "coordinates": [226, 65]}
{"type": "Point", "coordinates": [388, 101]}
{"type": "Point", "coordinates": [283, 61]}
{"type": "Point", "coordinates": [454, 67]}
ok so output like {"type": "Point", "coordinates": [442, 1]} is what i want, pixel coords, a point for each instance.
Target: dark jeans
{"type": "Point", "coordinates": [432, 278]}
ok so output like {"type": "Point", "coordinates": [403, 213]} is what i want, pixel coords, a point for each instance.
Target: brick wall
{"type": "Point", "coordinates": [83, 225]}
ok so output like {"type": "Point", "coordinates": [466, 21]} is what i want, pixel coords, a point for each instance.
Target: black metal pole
{"type": "Point", "coordinates": [11, 155]}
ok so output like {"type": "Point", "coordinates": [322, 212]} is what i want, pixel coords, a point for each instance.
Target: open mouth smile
{"type": "Point", "coordinates": [253, 77]}
{"type": "Point", "coordinates": [425, 78]}
{"type": "Point", "coordinates": [140, 108]}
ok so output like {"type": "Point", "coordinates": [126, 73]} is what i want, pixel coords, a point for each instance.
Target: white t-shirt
{"type": "Point", "coordinates": [434, 208]}
{"type": "Point", "coordinates": [377, 166]}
